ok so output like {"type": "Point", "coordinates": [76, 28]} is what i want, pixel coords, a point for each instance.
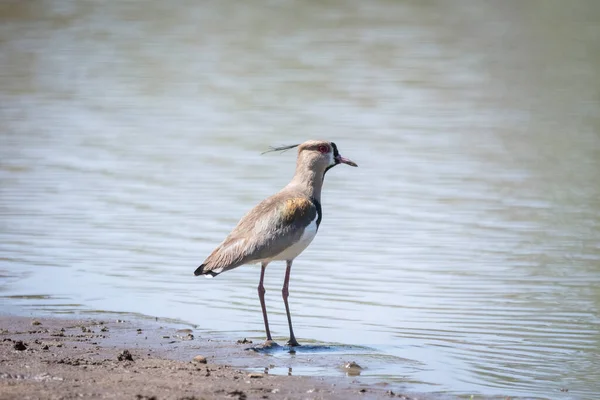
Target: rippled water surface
{"type": "Point", "coordinates": [462, 256]}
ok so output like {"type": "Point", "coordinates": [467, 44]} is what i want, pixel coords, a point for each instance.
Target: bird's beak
{"type": "Point", "coordinates": [342, 160]}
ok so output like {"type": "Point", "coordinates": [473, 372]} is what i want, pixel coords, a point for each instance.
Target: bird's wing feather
{"type": "Point", "coordinates": [267, 230]}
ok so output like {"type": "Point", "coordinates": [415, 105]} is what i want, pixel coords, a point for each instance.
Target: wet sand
{"type": "Point", "coordinates": [52, 358]}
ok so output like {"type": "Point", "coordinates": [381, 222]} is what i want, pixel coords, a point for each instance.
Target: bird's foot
{"type": "Point", "coordinates": [269, 343]}
{"type": "Point", "coordinates": [292, 343]}
{"type": "Point", "coordinates": [266, 347]}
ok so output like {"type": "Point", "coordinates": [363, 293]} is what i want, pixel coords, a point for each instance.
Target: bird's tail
{"type": "Point", "coordinates": [202, 270]}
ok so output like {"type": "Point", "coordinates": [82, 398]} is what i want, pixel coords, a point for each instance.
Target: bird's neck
{"type": "Point", "coordinates": [308, 181]}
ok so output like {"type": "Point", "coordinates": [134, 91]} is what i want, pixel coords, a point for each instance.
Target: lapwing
{"type": "Point", "coordinates": [280, 227]}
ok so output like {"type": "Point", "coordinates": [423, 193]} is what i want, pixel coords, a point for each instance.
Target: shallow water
{"type": "Point", "coordinates": [463, 254]}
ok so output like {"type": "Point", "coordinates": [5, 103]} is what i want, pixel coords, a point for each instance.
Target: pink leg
{"type": "Point", "coordinates": [285, 293]}
{"type": "Point", "coordinates": [261, 296]}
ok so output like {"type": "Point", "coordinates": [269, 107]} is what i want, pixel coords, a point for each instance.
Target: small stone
{"type": "Point", "coordinates": [244, 341]}
{"type": "Point", "coordinates": [352, 368]}
{"type": "Point", "coordinates": [237, 394]}
{"type": "Point", "coordinates": [362, 390]}
{"type": "Point", "coordinates": [125, 355]}
{"type": "Point", "coordinates": [199, 359]}
{"type": "Point", "coordinates": [19, 345]}
{"type": "Point", "coordinates": [45, 347]}
{"type": "Point", "coordinates": [35, 322]}
{"type": "Point", "coordinates": [189, 336]}
{"type": "Point", "coordinates": [352, 364]}
{"type": "Point", "coordinates": [255, 375]}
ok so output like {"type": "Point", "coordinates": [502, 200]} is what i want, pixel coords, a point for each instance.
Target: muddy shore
{"type": "Point", "coordinates": [52, 358]}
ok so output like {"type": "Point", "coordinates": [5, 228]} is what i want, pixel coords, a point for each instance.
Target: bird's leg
{"type": "Point", "coordinates": [261, 296]}
{"type": "Point", "coordinates": [285, 293]}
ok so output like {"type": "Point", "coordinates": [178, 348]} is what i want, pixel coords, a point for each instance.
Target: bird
{"type": "Point", "coordinates": [280, 227]}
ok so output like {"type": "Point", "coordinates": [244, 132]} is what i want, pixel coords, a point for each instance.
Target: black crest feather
{"type": "Point", "coordinates": [280, 148]}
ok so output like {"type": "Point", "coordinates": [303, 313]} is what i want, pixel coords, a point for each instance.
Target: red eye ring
{"type": "Point", "coordinates": [323, 149]}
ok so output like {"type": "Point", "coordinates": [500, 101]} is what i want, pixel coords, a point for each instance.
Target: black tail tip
{"type": "Point", "coordinates": [200, 271]}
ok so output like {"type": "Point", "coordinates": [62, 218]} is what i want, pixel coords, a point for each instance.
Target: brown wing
{"type": "Point", "coordinates": [268, 229]}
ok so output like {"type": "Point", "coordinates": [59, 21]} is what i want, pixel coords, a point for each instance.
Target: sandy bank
{"type": "Point", "coordinates": [51, 358]}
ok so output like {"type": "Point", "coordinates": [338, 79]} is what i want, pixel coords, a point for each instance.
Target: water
{"type": "Point", "coordinates": [462, 256]}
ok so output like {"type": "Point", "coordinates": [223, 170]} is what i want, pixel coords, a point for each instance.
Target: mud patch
{"type": "Point", "coordinates": [83, 364]}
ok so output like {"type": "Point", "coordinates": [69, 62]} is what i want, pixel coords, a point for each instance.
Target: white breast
{"type": "Point", "coordinates": [294, 250]}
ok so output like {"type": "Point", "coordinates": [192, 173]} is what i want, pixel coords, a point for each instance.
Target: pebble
{"type": "Point", "coordinates": [19, 345]}
{"type": "Point", "coordinates": [125, 355]}
{"type": "Point", "coordinates": [352, 364]}
{"type": "Point", "coordinates": [189, 336]}
{"type": "Point", "coordinates": [352, 368]}
{"type": "Point", "coordinates": [255, 375]}
{"type": "Point", "coordinates": [200, 359]}
{"type": "Point", "coordinates": [35, 322]}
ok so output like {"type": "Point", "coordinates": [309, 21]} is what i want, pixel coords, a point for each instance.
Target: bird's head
{"type": "Point", "coordinates": [318, 155]}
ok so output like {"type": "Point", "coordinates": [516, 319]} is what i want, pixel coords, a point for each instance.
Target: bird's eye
{"type": "Point", "coordinates": [323, 149]}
